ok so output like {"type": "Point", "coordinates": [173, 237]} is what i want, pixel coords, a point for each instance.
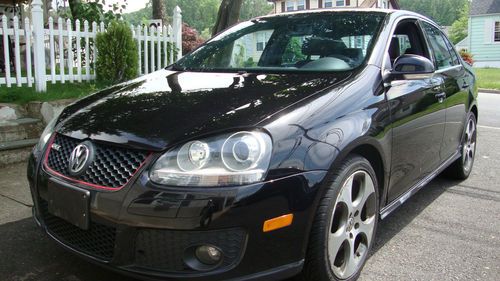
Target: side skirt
{"type": "Point", "coordinates": [384, 212]}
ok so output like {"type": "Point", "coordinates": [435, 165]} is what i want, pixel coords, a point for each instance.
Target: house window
{"type": "Point", "coordinates": [497, 32]}
{"type": "Point", "coordinates": [290, 6]}
{"type": "Point", "coordinates": [261, 41]}
{"type": "Point", "coordinates": [301, 5]}
{"type": "Point", "coordinates": [359, 42]}
{"type": "Point", "coordinates": [328, 3]}
{"type": "Point", "coordinates": [340, 3]}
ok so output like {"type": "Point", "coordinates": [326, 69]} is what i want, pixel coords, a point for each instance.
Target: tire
{"type": "Point", "coordinates": [342, 224]}
{"type": "Point", "coordinates": [462, 167]}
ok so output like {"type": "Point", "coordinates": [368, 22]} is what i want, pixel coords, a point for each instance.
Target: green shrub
{"type": "Point", "coordinates": [117, 59]}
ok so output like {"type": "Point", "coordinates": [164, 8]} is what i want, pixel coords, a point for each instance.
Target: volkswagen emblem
{"type": "Point", "coordinates": [81, 157]}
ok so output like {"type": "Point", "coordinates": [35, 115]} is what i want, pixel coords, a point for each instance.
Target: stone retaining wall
{"type": "Point", "coordinates": [44, 111]}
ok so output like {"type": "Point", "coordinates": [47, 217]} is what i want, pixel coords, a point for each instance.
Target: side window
{"type": "Point", "coordinates": [404, 42]}
{"type": "Point", "coordinates": [407, 40]}
{"type": "Point", "coordinates": [439, 47]}
{"type": "Point", "coordinates": [451, 49]}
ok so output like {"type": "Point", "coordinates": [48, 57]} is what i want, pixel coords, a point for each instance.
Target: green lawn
{"type": "Point", "coordinates": [22, 95]}
{"type": "Point", "coordinates": [488, 78]}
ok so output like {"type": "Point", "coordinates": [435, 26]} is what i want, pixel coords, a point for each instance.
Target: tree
{"type": "Point", "coordinates": [200, 14]}
{"type": "Point", "coordinates": [159, 10]}
{"type": "Point", "coordinates": [190, 39]}
{"type": "Point", "coordinates": [229, 14]}
{"type": "Point", "coordinates": [255, 8]}
{"type": "Point", "coordinates": [444, 12]}
{"type": "Point", "coordinates": [459, 28]}
{"type": "Point", "coordinates": [118, 60]}
{"type": "Point", "coordinates": [73, 6]}
{"type": "Point", "coordinates": [94, 10]}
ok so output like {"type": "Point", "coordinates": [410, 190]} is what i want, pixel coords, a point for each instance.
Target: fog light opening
{"type": "Point", "coordinates": [203, 257]}
{"type": "Point", "coordinates": [208, 255]}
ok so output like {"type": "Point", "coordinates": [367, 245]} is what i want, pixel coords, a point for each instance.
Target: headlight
{"type": "Point", "coordinates": [231, 159]}
{"type": "Point", "coordinates": [47, 133]}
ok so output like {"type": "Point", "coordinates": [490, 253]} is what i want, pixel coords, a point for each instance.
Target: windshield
{"type": "Point", "coordinates": [326, 41]}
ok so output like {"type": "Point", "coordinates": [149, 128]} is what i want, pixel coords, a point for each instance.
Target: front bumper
{"type": "Point", "coordinates": [143, 230]}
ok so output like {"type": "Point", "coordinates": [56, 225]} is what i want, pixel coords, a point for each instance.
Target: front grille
{"type": "Point", "coordinates": [163, 250]}
{"type": "Point", "coordinates": [98, 241]}
{"type": "Point", "coordinates": [112, 167]}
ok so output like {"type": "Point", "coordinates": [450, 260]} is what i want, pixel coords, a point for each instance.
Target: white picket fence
{"type": "Point", "coordinates": [64, 52]}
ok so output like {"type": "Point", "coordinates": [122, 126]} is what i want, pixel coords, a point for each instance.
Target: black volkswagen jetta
{"type": "Point", "coordinates": [270, 151]}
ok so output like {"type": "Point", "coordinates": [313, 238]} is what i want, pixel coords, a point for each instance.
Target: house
{"type": "Point", "coordinates": [281, 6]}
{"type": "Point", "coordinates": [484, 33]}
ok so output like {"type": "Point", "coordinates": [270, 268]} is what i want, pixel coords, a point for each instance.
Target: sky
{"type": "Point", "coordinates": [133, 5]}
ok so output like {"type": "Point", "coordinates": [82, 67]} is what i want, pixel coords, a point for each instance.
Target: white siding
{"type": "Point", "coordinates": [314, 4]}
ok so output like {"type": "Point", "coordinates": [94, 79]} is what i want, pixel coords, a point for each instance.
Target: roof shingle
{"type": "Point", "coordinates": [483, 7]}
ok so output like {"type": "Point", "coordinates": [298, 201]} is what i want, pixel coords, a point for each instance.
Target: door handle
{"type": "Point", "coordinates": [440, 97]}
{"type": "Point", "coordinates": [465, 86]}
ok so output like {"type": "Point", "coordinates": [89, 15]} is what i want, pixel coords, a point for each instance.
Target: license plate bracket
{"type": "Point", "coordinates": [69, 203]}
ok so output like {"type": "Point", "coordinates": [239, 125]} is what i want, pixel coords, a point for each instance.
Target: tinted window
{"type": "Point", "coordinates": [315, 42]}
{"type": "Point", "coordinates": [439, 47]}
{"type": "Point", "coordinates": [404, 43]}
{"type": "Point", "coordinates": [451, 49]}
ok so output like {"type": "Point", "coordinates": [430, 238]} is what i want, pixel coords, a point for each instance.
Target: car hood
{"type": "Point", "coordinates": [165, 107]}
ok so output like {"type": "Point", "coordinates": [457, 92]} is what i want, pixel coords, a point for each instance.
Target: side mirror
{"type": "Point", "coordinates": [409, 67]}
{"type": "Point", "coordinates": [413, 64]}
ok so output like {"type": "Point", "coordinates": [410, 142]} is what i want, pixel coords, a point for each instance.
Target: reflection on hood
{"type": "Point", "coordinates": [167, 106]}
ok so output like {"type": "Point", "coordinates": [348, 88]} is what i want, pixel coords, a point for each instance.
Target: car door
{"type": "Point", "coordinates": [455, 88]}
{"type": "Point", "coordinates": [417, 112]}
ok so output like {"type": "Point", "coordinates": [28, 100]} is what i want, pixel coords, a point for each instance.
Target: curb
{"type": "Point", "coordinates": [489, 91]}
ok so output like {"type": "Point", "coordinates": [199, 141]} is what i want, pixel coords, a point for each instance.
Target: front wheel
{"type": "Point", "coordinates": [462, 167]}
{"type": "Point", "coordinates": [345, 223]}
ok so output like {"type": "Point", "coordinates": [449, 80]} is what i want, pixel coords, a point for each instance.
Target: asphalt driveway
{"type": "Point", "coordinates": [450, 230]}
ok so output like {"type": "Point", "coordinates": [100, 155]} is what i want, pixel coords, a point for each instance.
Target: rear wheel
{"type": "Point", "coordinates": [345, 223]}
{"type": "Point", "coordinates": [462, 168]}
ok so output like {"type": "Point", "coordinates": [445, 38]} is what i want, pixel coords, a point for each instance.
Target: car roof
{"type": "Point", "coordinates": [396, 13]}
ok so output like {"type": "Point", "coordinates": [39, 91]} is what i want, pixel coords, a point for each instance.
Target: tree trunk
{"type": "Point", "coordinates": [159, 10]}
{"type": "Point", "coordinates": [73, 7]}
{"type": "Point", "coordinates": [47, 6]}
{"type": "Point", "coordinates": [229, 14]}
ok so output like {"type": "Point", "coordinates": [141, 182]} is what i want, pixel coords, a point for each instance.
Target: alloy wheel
{"type": "Point", "coordinates": [352, 226]}
{"type": "Point", "coordinates": [469, 146]}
